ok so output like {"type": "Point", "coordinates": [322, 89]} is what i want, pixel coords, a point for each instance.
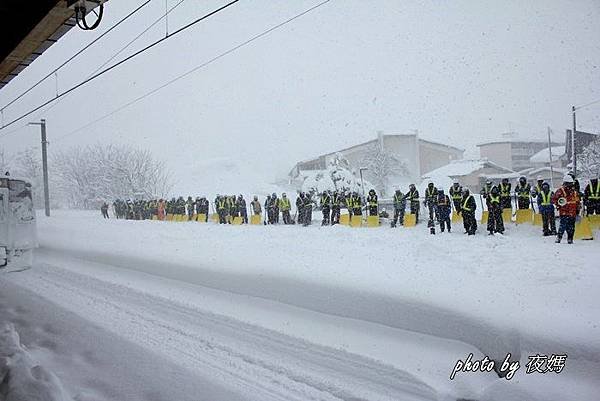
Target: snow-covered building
{"type": "Point", "coordinates": [414, 153]}
{"type": "Point", "coordinates": [542, 158]}
{"type": "Point", "coordinates": [512, 151]}
{"type": "Point", "coordinates": [471, 173]}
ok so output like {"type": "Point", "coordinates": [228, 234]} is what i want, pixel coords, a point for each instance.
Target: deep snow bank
{"type": "Point", "coordinates": [501, 294]}
{"type": "Point", "coordinates": [21, 379]}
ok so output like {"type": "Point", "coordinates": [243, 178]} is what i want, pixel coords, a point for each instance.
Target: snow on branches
{"type": "Point", "coordinates": [84, 177]}
{"type": "Point", "coordinates": [589, 160]}
{"type": "Point", "coordinates": [382, 166]}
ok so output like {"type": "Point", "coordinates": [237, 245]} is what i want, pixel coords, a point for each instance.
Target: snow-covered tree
{"type": "Point", "coordinates": [382, 166]}
{"type": "Point", "coordinates": [589, 160]}
{"type": "Point", "coordinates": [4, 162]}
{"type": "Point", "coordinates": [87, 176]}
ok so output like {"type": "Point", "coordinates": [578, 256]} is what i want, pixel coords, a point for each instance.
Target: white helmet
{"type": "Point", "coordinates": [539, 178]}
{"type": "Point", "coordinates": [567, 178]}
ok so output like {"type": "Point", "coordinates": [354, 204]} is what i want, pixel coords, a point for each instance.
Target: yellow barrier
{"type": "Point", "coordinates": [594, 221]}
{"type": "Point", "coordinates": [410, 220]}
{"type": "Point", "coordinates": [506, 215]}
{"type": "Point", "coordinates": [373, 221]}
{"type": "Point", "coordinates": [524, 216]}
{"type": "Point", "coordinates": [485, 216]}
{"type": "Point", "coordinates": [255, 219]}
{"type": "Point", "coordinates": [537, 219]}
{"type": "Point", "coordinates": [583, 229]}
{"type": "Point", "coordinates": [345, 219]}
{"type": "Point", "coordinates": [356, 221]}
{"type": "Point", "coordinates": [237, 221]}
{"type": "Point", "coordinates": [456, 217]}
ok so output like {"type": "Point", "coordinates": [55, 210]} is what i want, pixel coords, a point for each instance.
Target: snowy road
{"type": "Point", "coordinates": [152, 311]}
{"type": "Point", "coordinates": [256, 362]}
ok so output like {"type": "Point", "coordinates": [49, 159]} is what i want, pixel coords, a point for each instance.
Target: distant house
{"type": "Point", "coordinates": [553, 175]}
{"type": "Point", "coordinates": [417, 155]}
{"type": "Point", "coordinates": [511, 151]}
{"type": "Point", "coordinates": [542, 158]}
{"type": "Point", "coordinates": [471, 173]}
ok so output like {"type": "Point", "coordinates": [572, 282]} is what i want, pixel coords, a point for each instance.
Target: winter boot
{"type": "Point", "coordinates": [558, 239]}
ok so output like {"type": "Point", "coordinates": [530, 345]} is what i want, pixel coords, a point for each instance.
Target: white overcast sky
{"type": "Point", "coordinates": [458, 71]}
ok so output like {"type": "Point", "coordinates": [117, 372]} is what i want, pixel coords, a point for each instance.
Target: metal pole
{"type": "Point", "coordinates": [573, 154]}
{"type": "Point", "coordinates": [45, 169]}
{"type": "Point", "coordinates": [362, 184]}
{"type": "Point", "coordinates": [550, 159]}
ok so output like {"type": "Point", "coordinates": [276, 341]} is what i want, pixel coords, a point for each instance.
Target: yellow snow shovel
{"type": "Point", "coordinates": [583, 229]}
{"type": "Point", "coordinates": [485, 216]}
{"type": "Point", "coordinates": [201, 217]}
{"type": "Point", "coordinates": [345, 219]}
{"type": "Point", "coordinates": [506, 215]}
{"type": "Point", "coordinates": [410, 220]}
{"type": "Point", "coordinates": [373, 221]}
{"type": "Point", "coordinates": [356, 221]}
{"type": "Point", "coordinates": [537, 219]}
{"type": "Point", "coordinates": [255, 220]}
{"type": "Point", "coordinates": [524, 216]}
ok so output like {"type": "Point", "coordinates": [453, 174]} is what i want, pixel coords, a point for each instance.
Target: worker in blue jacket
{"type": "Point", "coordinates": [546, 208]}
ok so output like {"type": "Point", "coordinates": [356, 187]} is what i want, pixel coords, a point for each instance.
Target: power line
{"type": "Point", "coordinates": [587, 104]}
{"type": "Point", "coordinates": [185, 74]}
{"type": "Point", "coordinates": [123, 48]}
{"type": "Point", "coordinates": [103, 64]}
{"type": "Point", "coordinates": [121, 62]}
{"type": "Point", "coordinates": [76, 54]}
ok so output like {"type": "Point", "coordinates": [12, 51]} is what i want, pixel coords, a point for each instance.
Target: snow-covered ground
{"type": "Point", "coordinates": [307, 313]}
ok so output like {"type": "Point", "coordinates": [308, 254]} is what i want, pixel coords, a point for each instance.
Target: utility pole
{"type": "Point", "coordinates": [42, 124]}
{"type": "Point", "coordinates": [573, 154]}
{"type": "Point", "coordinates": [550, 158]}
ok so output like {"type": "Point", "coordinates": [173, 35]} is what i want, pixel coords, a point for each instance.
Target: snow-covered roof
{"type": "Point", "coordinates": [543, 155]}
{"type": "Point", "coordinates": [460, 168]}
{"type": "Point", "coordinates": [547, 168]}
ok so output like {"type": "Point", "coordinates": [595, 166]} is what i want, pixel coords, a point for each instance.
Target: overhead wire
{"type": "Point", "coordinates": [163, 16]}
{"type": "Point", "coordinates": [102, 72]}
{"type": "Point", "coordinates": [76, 54]}
{"type": "Point", "coordinates": [187, 73]}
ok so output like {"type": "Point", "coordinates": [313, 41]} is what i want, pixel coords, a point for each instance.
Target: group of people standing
{"type": "Point", "coordinates": [567, 200]}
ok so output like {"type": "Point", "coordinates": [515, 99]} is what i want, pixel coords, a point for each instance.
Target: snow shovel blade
{"type": "Point", "coordinates": [410, 220]}
{"type": "Point", "coordinates": [524, 216]}
{"type": "Point", "coordinates": [373, 221]}
{"type": "Point", "coordinates": [583, 229]}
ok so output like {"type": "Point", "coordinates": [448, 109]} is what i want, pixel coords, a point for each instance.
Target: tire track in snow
{"type": "Point", "coordinates": [257, 360]}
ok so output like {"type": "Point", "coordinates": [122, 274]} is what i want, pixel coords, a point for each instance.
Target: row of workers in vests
{"type": "Point", "coordinates": [330, 203]}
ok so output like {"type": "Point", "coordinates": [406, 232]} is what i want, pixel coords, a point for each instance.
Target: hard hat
{"type": "Point", "coordinates": [539, 178]}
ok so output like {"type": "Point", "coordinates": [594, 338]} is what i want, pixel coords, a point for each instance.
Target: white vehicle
{"type": "Point", "coordinates": [18, 233]}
